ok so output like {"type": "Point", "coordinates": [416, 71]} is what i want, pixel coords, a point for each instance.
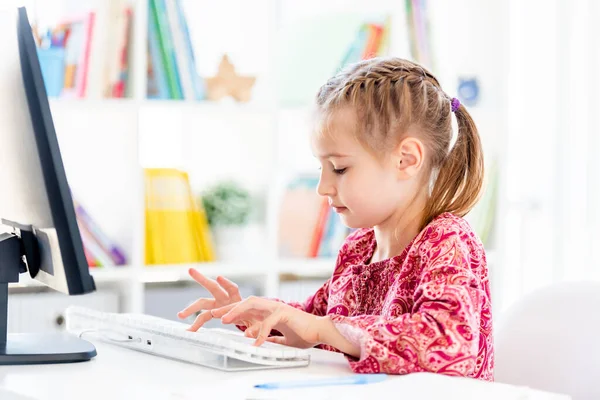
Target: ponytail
{"type": "Point", "coordinates": [459, 180]}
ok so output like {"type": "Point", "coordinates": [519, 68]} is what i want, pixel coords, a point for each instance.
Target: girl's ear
{"type": "Point", "coordinates": [409, 158]}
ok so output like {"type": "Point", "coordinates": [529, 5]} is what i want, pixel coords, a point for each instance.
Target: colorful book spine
{"type": "Point", "coordinates": [72, 51]}
{"type": "Point", "coordinates": [356, 49]}
{"type": "Point", "coordinates": [181, 55]}
{"type": "Point", "coordinates": [122, 66]}
{"type": "Point", "coordinates": [325, 247]}
{"type": "Point", "coordinates": [98, 254]}
{"type": "Point", "coordinates": [159, 13]}
{"type": "Point", "coordinates": [89, 257]}
{"type": "Point", "coordinates": [197, 82]}
{"type": "Point", "coordinates": [377, 31]}
{"type": "Point", "coordinates": [157, 74]}
{"type": "Point", "coordinates": [83, 65]}
{"type": "Point", "coordinates": [104, 243]}
{"type": "Point", "coordinates": [371, 43]}
{"type": "Point", "coordinates": [319, 229]}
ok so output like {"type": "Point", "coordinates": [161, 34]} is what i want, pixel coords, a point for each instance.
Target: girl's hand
{"type": "Point", "coordinates": [224, 293]}
{"type": "Point", "coordinates": [299, 329]}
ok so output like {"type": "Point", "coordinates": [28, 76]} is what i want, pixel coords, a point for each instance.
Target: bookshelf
{"type": "Point", "coordinates": [105, 147]}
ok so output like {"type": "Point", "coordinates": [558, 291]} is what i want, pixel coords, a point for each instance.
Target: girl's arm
{"type": "Point", "coordinates": [440, 334]}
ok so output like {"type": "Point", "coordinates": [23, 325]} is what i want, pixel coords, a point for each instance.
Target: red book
{"type": "Point", "coordinates": [319, 229]}
{"type": "Point", "coordinates": [373, 41]}
{"type": "Point", "coordinates": [118, 88]}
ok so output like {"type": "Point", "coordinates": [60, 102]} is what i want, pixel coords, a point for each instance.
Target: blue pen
{"type": "Point", "coordinates": [345, 380]}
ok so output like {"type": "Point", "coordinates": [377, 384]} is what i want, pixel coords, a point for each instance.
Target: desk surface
{"type": "Point", "coordinates": [118, 373]}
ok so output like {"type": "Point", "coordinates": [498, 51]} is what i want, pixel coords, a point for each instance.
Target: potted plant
{"type": "Point", "coordinates": [229, 208]}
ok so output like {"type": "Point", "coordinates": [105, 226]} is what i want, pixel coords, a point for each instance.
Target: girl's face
{"type": "Point", "coordinates": [364, 190]}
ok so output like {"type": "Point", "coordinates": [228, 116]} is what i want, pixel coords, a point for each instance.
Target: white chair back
{"type": "Point", "coordinates": [550, 340]}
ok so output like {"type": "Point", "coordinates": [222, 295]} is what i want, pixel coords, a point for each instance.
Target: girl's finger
{"type": "Point", "coordinates": [277, 339]}
{"type": "Point", "coordinates": [219, 312]}
{"type": "Point", "coordinates": [231, 288]}
{"type": "Point", "coordinates": [212, 286]}
{"type": "Point", "coordinates": [252, 331]}
{"type": "Point", "coordinates": [250, 304]}
{"type": "Point", "coordinates": [201, 319]}
{"type": "Point", "coordinates": [266, 327]}
{"type": "Point", "coordinates": [198, 305]}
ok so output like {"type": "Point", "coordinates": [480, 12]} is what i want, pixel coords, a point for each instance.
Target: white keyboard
{"type": "Point", "coordinates": [216, 348]}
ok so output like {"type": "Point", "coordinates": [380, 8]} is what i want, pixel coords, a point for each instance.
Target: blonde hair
{"type": "Point", "coordinates": [391, 95]}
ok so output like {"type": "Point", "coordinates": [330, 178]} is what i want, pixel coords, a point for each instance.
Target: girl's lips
{"type": "Point", "coordinates": [339, 209]}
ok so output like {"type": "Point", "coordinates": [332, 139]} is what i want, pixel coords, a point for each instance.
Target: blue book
{"type": "Point", "coordinates": [340, 232]}
{"type": "Point", "coordinates": [325, 246]}
{"type": "Point", "coordinates": [197, 81]}
{"type": "Point", "coordinates": [158, 69]}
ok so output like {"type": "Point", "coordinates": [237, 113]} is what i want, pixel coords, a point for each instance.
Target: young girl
{"type": "Point", "coordinates": [401, 161]}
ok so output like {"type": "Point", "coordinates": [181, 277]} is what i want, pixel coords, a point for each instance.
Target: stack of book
{"type": "Point", "coordinates": [308, 227]}
{"type": "Point", "coordinates": [100, 250]}
{"type": "Point", "coordinates": [87, 55]}
{"type": "Point", "coordinates": [177, 230]}
{"type": "Point", "coordinates": [370, 41]}
{"type": "Point", "coordinates": [172, 70]}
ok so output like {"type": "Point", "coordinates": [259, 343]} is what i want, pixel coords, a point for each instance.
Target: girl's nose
{"type": "Point", "coordinates": [325, 188]}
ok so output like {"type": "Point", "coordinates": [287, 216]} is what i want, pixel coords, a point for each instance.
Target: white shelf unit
{"type": "Point", "coordinates": [100, 145]}
{"type": "Point", "coordinates": [105, 144]}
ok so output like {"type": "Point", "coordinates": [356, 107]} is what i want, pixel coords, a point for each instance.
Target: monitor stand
{"type": "Point", "coordinates": [31, 348]}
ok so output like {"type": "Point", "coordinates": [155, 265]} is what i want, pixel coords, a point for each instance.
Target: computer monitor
{"type": "Point", "coordinates": [35, 200]}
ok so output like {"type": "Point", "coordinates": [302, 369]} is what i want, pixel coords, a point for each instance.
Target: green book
{"type": "Point", "coordinates": [167, 50]}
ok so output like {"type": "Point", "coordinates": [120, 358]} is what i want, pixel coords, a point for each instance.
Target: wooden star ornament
{"type": "Point", "coordinates": [228, 83]}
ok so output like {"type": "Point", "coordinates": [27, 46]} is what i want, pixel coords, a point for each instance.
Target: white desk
{"type": "Point", "coordinates": [117, 373]}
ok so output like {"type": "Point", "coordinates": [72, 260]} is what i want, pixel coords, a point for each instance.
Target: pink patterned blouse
{"type": "Point", "coordinates": [427, 309]}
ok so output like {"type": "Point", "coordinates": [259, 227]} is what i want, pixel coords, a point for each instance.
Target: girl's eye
{"type": "Point", "coordinates": [339, 171]}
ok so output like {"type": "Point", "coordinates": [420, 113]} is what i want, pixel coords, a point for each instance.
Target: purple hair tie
{"type": "Point", "coordinates": [455, 104]}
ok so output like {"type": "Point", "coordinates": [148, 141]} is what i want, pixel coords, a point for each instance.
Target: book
{"type": "Point", "coordinates": [99, 249]}
{"type": "Point", "coordinates": [157, 80]}
{"type": "Point", "coordinates": [83, 63]}
{"type": "Point", "coordinates": [197, 82]}
{"type": "Point", "coordinates": [106, 46]}
{"type": "Point", "coordinates": [176, 229]}
{"type": "Point", "coordinates": [171, 54]}
{"type": "Point", "coordinates": [180, 50]}
{"type": "Point", "coordinates": [119, 65]}
{"type": "Point", "coordinates": [307, 226]}
{"type": "Point", "coordinates": [94, 46]}
{"type": "Point", "coordinates": [158, 11]}
{"type": "Point", "coordinates": [319, 229]}
{"type": "Point", "coordinates": [371, 40]}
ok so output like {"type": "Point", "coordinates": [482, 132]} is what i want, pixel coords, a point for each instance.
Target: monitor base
{"type": "Point", "coordinates": [45, 348]}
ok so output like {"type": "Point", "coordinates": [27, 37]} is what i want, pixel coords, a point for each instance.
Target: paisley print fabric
{"type": "Point", "coordinates": [427, 309]}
